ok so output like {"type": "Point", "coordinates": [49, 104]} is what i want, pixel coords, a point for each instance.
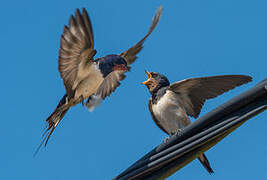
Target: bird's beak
{"type": "Point", "coordinates": [149, 76]}
{"type": "Point", "coordinates": [125, 68]}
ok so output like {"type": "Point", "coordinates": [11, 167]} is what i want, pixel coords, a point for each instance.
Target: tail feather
{"type": "Point", "coordinates": [53, 121]}
{"type": "Point", "coordinates": [205, 162]}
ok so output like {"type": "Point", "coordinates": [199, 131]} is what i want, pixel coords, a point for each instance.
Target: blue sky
{"type": "Point", "coordinates": [194, 38]}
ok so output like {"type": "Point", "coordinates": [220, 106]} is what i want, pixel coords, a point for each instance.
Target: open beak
{"type": "Point", "coordinates": [149, 76]}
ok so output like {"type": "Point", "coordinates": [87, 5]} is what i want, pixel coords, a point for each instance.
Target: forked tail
{"type": "Point", "coordinates": [205, 162]}
{"type": "Point", "coordinates": [53, 120]}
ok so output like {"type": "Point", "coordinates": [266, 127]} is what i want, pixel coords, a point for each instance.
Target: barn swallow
{"type": "Point", "coordinates": [172, 104]}
{"type": "Point", "coordinates": [85, 77]}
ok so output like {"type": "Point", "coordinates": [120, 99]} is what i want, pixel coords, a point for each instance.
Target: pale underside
{"type": "Point", "coordinates": [91, 80]}
{"type": "Point", "coordinates": [169, 113]}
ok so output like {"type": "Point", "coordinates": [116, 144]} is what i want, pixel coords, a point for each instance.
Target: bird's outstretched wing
{"type": "Point", "coordinates": [130, 54]}
{"type": "Point", "coordinates": [194, 92]}
{"type": "Point", "coordinates": [76, 48]}
{"type": "Point", "coordinates": [112, 81]}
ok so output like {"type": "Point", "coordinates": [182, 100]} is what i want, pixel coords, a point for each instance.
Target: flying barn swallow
{"type": "Point", "coordinates": [85, 77]}
{"type": "Point", "coordinates": [172, 104]}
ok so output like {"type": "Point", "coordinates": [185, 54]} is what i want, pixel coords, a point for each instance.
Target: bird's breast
{"type": "Point", "coordinates": [85, 71]}
{"type": "Point", "coordinates": [169, 113]}
{"type": "Point", "coordinates": [89, 82]}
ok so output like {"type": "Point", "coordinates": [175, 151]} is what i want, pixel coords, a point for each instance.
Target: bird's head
{"type": "Point", "coordinates": [113, 63]}
{"type": "Point", "coordinates": [155, 81]}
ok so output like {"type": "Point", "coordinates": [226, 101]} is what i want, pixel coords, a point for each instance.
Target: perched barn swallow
{"type": "Point", "coordinates": [172, 104]}
{"type": "Point", "coordinates": [85, 77]}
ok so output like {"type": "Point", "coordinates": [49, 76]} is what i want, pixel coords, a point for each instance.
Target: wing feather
{"type": "Point", "coordinates": [195, 91]}
{"type": "Point", "coordinates": [110, 83]}
{"type": "Point", "coordinates": [131, 54]}
{"type": "Point", "coordinates": [76, 47]}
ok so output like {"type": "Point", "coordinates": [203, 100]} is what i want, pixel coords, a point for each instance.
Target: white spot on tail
{"type": "Point", "coordinates": [93, 102]}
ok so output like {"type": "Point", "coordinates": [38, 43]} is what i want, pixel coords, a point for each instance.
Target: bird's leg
{"type": "Point", "coordinates": [177, 133]}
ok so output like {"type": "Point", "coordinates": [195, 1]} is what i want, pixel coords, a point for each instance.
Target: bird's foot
{"type": "Point", "coordinates": [178, 132]}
